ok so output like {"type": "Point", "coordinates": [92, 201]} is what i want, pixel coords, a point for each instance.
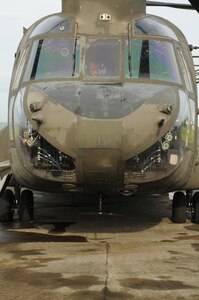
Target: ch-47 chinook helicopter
{"type": "Point", "coordinates": [102, 100]}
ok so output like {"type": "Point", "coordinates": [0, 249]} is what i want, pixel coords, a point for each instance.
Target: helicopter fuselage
{"type": "Point", "coordinates": [106, 106]}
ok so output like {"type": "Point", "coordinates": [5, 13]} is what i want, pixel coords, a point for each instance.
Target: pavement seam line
{"type": "Point", "coordinates": [107, 272]}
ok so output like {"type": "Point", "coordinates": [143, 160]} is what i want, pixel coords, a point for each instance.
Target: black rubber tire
{"type": "Point", "coordinates": [26, 206]}
{"type": "Point", "coordinates": [179, 208]}
{"type": "Point", "coordinates": [6, 206]}
{"type": "Point", "coordinates": [195, 217]}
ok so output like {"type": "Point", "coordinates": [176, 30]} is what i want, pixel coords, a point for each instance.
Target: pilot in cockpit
{"type": "Point", "coordinates": [102, 58]}
{"type": "Point", "coordinates": [96, 69]}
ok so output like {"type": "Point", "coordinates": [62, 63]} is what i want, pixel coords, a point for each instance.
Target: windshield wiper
{"type": "Point", "coordinates": [130, 49]}
{"type": "Point", "coordinates": [74, 49]}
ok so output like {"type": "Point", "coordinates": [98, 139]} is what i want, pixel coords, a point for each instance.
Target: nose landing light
{"type": "Point", "coordinates": [36, 106]}
{"type": "Point", "coordinates": [166, 109]}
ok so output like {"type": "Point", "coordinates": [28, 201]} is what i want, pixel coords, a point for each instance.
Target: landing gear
{"type": "Point", "coordinates": [26, 206]}
{"type": "Point", "coordinates": [179, 208]}
{"type": "Point", "coordinates": [195, 203]}
{"type": "Point", "coordinates": [23, 201]}
{"type": "Point", "coordinates": [6, 206]}
{"type": "Point", "coordinates": [185, 204]}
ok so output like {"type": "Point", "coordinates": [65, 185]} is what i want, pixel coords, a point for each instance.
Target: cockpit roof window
{"type": "Point", "coordinates": [102, 58]}
{"type": "Point", "coordinates": [52, 58]}
{"type": "Point", "coordinates": [152, 25]}
{"type": "Point", "coordinates": [151, 59]}
{"type": "Point", "coordinates": [53, 24]}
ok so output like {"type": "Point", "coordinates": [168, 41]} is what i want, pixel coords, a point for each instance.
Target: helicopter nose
{"type": "Point", "coordinates": [102, 127]}
{"type": "Point", "coordinates": [130, 117]}
{"type": "Point", "coordinates": [103, 146]}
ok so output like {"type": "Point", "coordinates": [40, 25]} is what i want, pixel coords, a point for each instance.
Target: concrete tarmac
{"type": "Point", "coordinates": [131, 251]}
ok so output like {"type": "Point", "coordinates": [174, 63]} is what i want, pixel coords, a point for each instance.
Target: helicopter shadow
{"type": "Point", "coordinates": [60, 218]}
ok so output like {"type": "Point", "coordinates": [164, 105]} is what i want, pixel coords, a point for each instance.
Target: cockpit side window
{"type": "Point", "coordinates": [151, 59]}
{"type": "Point", "coordinates": [19, 67]}
{"type": "Point", "coordinates": [52, 58]}
{"type": "Point", "coordinates": [185, 71]}
{"type": "Point", "coordinates": [153, 25]}
{"type": "Point", "coordinates": [53, 24]}
{"type": "Point", "coordinates": [102, 58]}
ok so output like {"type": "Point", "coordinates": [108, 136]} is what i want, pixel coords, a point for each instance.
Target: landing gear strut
{"type": "Point", "coordinates": [101, 199]}
{"type": "Point", "coordinates": [26, 206]}
{"type": "Point", "coordinates": [6, 206]}
{"type": "Point", "coordinates": [179, 208]}
{"type": "Point", "coordinates": [195, 203]}
{"type": "Point", "coordinates": [183, 204]}
{"type": "Point", "coordinates": [23, 201]}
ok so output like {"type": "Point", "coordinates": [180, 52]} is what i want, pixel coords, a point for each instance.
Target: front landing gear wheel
{"type": "Point", "coordinates": [195, 216]}
{"type": "Point", "coordinates": [26, 206]}
{"type": "Point", "coordinates": [179, 209]}
{"type": "Point", "coordinates": [6, 206]}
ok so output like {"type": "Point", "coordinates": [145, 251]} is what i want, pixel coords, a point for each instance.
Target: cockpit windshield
{"type": "Point", "coordinates": [102, 58]}
{"type": "Point", "coordinates": [53, 58]}
{"type": "Point", "coordinates": [152, 59]}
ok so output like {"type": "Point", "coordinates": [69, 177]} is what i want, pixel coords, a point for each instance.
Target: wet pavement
{"type": "Point", "coordinates": [131, 251]}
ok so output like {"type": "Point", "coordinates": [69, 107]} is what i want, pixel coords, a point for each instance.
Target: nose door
{"type": "Point", "coordinates": [99, 155]}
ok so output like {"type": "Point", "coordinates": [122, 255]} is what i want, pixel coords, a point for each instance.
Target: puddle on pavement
{"type": "Point", "coordinates": [196, 247]}
{"type": "Point", "coordinates": [94, 295]}
{"type": "Point", "coordinates": [162, 285]}
{"type": "Point", "coordinates": [46, 280]}
{"type": "Point", "coordinates": [188, 237]}
{"type": "Point", "coordinates": [167, 241]}
{"type": "Point", "coordinates": [82, 282]}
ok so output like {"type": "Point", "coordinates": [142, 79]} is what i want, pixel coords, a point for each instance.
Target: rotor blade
{"type": "Point", "coordinates": [174, 5]}
{"type": "Point", "coordinates": [195, 4]}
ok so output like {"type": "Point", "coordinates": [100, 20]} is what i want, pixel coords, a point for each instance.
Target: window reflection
{"type": "Point", "coordinates": [185, 119]}
{"type": "Point", "coordinates": [185, 71]}
{"type": "Point", "coordinates": [151, 59]}
{"type": "Point", "coordinates": [20, 119]}
{"type": "Point", "coordinates": [20, 65]}
{"type": "Point", "coordinates": [52, 58]}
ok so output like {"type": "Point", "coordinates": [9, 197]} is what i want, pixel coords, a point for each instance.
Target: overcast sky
{"type": "Point", "coordinates": [14, 14]}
